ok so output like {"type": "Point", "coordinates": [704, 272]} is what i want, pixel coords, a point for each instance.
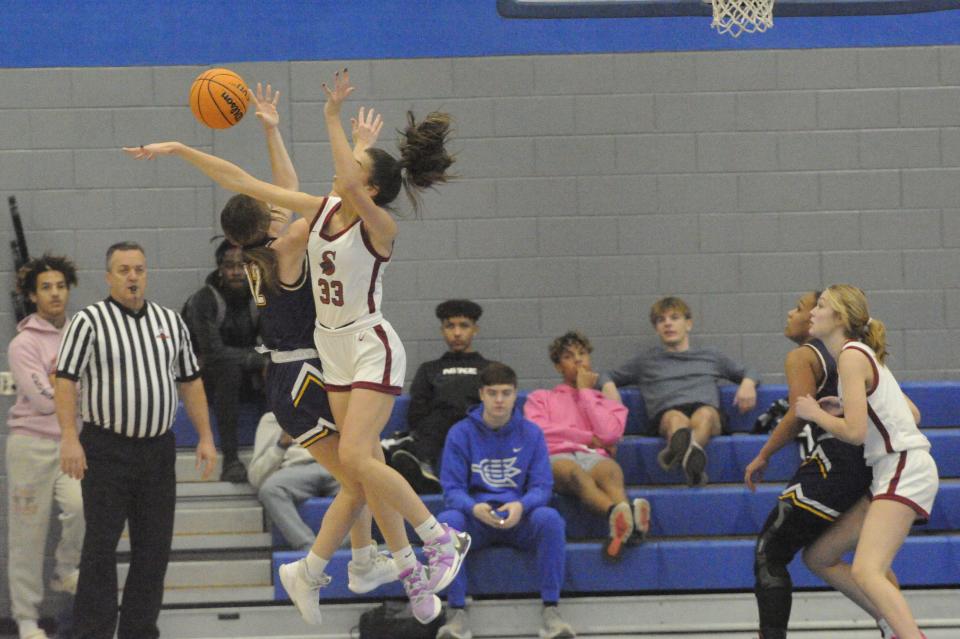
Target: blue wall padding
{"type": "Point", "coordinates": [706, 512]}
{"type": "Point", "coordinates": [63, 33]}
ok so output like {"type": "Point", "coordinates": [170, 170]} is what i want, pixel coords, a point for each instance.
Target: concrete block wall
{"type": "Point", "coordinates": [588, 187]}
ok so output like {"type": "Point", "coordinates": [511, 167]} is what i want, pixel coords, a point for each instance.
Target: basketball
{"type": "Point", "coordinates": [218, 98]}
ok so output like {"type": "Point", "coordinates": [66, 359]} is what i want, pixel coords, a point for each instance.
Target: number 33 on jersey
{"type": "Point", "coordinates": [347, 271]}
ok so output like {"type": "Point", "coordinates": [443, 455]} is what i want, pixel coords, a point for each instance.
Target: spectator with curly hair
{"type": "Point", "coordinates": [33, 447]}
{"type": "Point", "coordinates": [582, 426]}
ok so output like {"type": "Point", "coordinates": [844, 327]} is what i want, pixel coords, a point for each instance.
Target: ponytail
{"type": "Point", "coordinates": [875, 336]}
{"type": "Point", "coordinates": [423, 161]}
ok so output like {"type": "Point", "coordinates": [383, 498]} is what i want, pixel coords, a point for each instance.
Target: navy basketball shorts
{"type": "Point", "coordinates": [297, 396]}
{"type": "Point", "coordinates": [831, 480]}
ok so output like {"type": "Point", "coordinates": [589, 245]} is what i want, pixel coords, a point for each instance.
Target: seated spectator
{"type": "Point", "coordinates": [222, 318]}
{"type": "Point", "coordinates": [678, 383]}
{"type": "Point", "coordinates": [442, 392]}
{"type": "Point", "coordinates": [582, 427]}
{"type": "Point", "coordinates": [285, 474]}
{"type": "Point", "coordinates": [35, 479]}
{"type": "Point", "coordinates": [496, 482]}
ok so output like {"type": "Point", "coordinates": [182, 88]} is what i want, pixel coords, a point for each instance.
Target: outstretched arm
{"type": "Point", "coordinates": [349, 182]}
{"type": "Point", "coordinates": [232, 177]}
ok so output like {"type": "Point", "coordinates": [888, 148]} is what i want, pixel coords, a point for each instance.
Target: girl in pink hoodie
{"type": "Point", "coordinates": [33, 448]}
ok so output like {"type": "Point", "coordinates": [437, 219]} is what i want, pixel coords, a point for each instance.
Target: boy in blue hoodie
{"type": "Point", "coordinates": [496, 481]}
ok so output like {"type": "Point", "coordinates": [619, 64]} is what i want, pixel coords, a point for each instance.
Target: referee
{"type": "Point", "coordinates": [126, 358]}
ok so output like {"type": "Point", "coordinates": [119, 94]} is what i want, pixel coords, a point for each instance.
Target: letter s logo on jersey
{"type": "Point", "coordinates": [326, 263]}
{"type": "Point", "coordinates": [498, 473]}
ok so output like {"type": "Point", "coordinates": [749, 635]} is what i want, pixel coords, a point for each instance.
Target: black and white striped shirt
{"type": "Point", "coordinates": [128, 365]}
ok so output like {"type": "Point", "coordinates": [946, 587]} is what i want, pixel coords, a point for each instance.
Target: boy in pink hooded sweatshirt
{"type": "Point", "coordinates": [582, 427]}
{"type": "Point", "coordinates": [33, 448]}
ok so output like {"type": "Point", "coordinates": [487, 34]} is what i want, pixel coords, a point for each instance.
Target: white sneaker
{"type": "Point", "coordinates": [303, 590]}
{"type": "Point", "coordinates": [66, 583]}
{"type": "Point", "coordinates": [362, 578]}
{"type": "Point", "coordinates": [553, 625]}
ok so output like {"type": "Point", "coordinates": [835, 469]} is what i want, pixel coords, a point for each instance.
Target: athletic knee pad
{"type": "Point", "coordinates": [775, 549]}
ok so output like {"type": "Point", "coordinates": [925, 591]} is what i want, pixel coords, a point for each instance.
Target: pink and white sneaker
{"type": "Point", "coordinates": [424, 604]}
{"type": "Point", "coordinates": [445, 555]}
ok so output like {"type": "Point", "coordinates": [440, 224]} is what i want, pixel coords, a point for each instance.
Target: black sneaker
{"type": "Point", "coordinates": [676, 449]}
{"type": "Point", "coordinates": [421, 477]}
{"type": "Point", "coordinates": [233, 472]}
{"type": "Point", "coordinates": [694, 463]}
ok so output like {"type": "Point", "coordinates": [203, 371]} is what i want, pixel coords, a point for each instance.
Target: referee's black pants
{"type": "Point", "coordinates": [127, 480]}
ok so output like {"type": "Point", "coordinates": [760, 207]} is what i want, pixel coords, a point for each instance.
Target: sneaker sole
{"type": "Point", "coordinates": [437, 609]}
{"type": "Point", "coordinates": [641, 518]}
{"type": "Point", "coordinates": [613, 548]}
{"type": "Point", "coordinates": [455, 568]}
{"type": "Point", "coordinates": [676, 449]}
{"type": "Point", "coordinates": [288, 578]}
{"type": "Point", "coordinates": [697, 459]}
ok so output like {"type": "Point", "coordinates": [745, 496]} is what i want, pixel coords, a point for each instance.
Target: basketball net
{"type": "Point", "coordinates": [742, 16]}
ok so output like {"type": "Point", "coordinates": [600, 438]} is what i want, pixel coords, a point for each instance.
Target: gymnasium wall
{"type": "Point", "coordinates": [589, 185]}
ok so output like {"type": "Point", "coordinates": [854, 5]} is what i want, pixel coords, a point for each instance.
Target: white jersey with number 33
{"type": "Point", "coordinates": [346, 272]}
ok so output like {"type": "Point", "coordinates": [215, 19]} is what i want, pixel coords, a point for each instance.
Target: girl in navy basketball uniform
{"type": "Point", "coordinates": [832, 478]}
{"type": "Point", "coordinates": [878, 415]}
{"type": "Point", "coordinates": [350, 240]}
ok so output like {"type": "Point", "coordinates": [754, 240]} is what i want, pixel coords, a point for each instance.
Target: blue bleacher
{"type": "Point", "coordinates": [939, 401]}
{"type": "Point", "coordinates": [701, 539]}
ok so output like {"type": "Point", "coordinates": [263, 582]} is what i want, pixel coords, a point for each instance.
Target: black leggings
{"type": "Point", "coordinates": [788, 529]}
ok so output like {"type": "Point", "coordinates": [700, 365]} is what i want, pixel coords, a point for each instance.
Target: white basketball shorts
{"type": "Point", "coordinates": [372, 358]}
{"type": "Point", "coordinates": [909, 477]}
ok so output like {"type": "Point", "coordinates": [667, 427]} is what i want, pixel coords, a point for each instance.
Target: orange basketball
{"type": "Point", "coordinates": [218, 98]}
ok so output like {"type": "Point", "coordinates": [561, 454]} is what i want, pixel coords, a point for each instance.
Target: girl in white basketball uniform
{"type": "Point", "coordinates": [878, 415]}
{"type": "Point", "coordinates": [350, 240]}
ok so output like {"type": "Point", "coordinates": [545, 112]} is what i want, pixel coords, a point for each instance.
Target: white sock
{"type": "Point", "coordinates": [315, 565]}
{"type": "Point", "coordinates": [885, 628]}
{"type": "Point", "coordinates": [404, 559]}
{"type": "Point", "coordinates": [364, 555]}
{"type": "Point", "coordinates": [430, 529]}
{"type": "Point", "coordinates": [26, 626]}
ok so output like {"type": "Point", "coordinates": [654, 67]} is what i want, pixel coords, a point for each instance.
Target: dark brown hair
{"type": "Point", "coordinates": [29, 272]}
{"type": "Point", "coordinates": [567, 340]}
{"type": "Point", "coordinates": [497, 373]}
{"type": "Point", "coordinates": [246, 224]}
{"type": "Point", "coordinates": [423, 161]}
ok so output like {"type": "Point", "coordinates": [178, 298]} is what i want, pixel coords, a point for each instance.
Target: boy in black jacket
{"type": "Point", "coordinates": [442, 392]}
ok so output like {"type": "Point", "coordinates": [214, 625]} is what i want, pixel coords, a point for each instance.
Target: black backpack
{"type": "Point", "coordinates": [393, 619]}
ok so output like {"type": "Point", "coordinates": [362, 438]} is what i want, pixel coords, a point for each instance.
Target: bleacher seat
{"type": "Point", "coordinates": [701, 538]}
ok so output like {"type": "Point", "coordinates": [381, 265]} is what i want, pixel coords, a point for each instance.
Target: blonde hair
{"type": "Point", "coordinates": [850, 304]}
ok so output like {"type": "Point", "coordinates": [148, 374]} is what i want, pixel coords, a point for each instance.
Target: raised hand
{"type": "Point", "coordinates": [150, 151]}
{"type": "Point", "coordinates": [340, 91]}
{"type": "Point", "coordinates": [366, 128]}
{"type": "Point", "coordinates": [266, 104]}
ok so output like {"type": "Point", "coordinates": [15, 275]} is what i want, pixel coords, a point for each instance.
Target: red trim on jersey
{"type": "Point", "coordinates": [330, 238]}
{"type": "Point", "coordinates": [320, 214]}
{"type": "Point", "coordinates": [876, 372]}
{"type": "Point", "coordinates": [880, 427]}
{"type": "Point", "coordinates": [369, 244]}
{"type": "Point", "coordinates": [922, 515]}
{"type": "Point", "coordinates": [892, 488]}
{"type": "Point", "coordinates": [380, 388]}
{"type": "Point", "coordinates": [382, 334]}
{"type": "Point", "coordinates": [331, 388]}
{"type": "Point", "coordinates": [371, 304]}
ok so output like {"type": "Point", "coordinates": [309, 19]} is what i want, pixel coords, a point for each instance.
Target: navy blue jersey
{"type": "Point", "coordinates": [828, 387]}
{"type": "Point", "coordinates": [288, 313]}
